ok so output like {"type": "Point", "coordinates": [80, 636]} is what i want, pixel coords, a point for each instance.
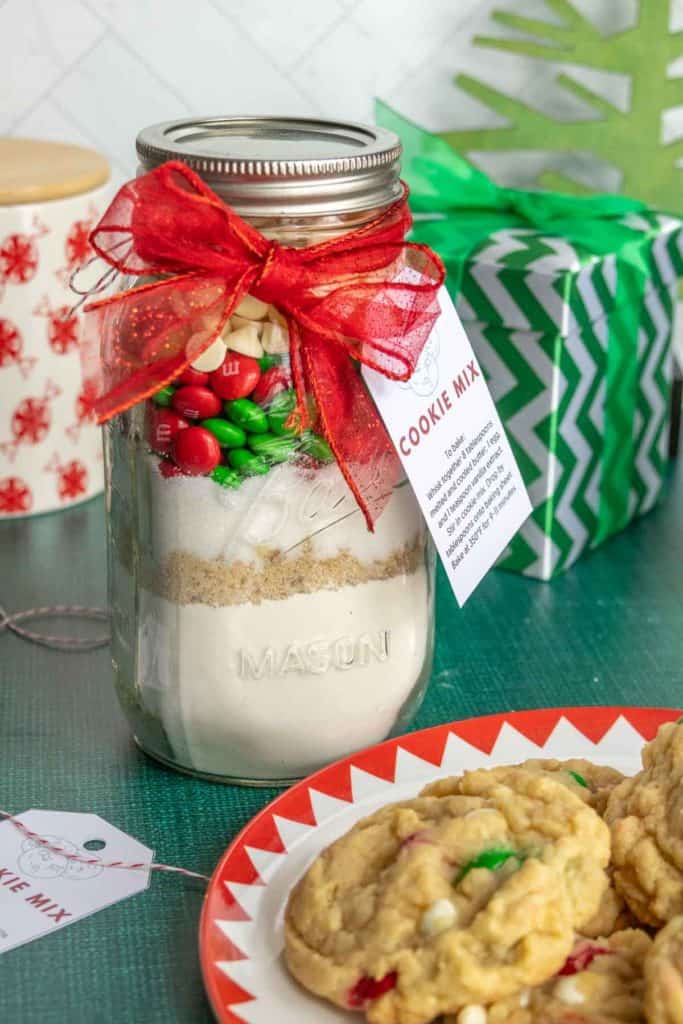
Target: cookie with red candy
{"type": "Point", "coordinates": [443, 902]}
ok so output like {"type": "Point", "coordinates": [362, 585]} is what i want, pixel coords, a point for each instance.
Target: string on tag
{"type": "Point", "coordinates": [95, 861]}
{"type": "Point", "coordinates": [59, 643]}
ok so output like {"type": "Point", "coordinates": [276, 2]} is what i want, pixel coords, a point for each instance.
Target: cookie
{"type": "Point", "coordinates": [645, 814]}
{"type": "Point", "coordinates": [439, 902]}
{"type": "Point", "coordinates": [664, 976]}
{"type": "Point", "coordinates": [611, 916]}
{"type": "Point", "coordinates": [600, 983]}
{"type": "Point", "coordinates": [592, 782]}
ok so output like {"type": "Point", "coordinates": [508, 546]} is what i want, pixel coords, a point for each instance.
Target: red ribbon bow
{"type": "Point", "coordinates": [367, 295]}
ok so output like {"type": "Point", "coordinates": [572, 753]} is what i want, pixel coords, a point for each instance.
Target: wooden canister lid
{"type": "Point", "coordinates": [33, 172]}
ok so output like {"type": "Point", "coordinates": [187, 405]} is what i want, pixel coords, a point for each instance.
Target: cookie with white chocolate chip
{"type": "Point", "coordinates": [664, 976]}
{"type": "Point", "coordinates": [601, 982]}
{"type": "Point", "coordinates": [441, 902]}
{"type": "Point", "coordinates": [645, 815]}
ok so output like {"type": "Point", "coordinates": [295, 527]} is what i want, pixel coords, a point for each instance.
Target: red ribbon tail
{"type": "Point", "coordinates": [351, 425]}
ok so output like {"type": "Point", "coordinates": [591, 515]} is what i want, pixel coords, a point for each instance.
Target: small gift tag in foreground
{"type": "Point", "coordinates": [41, 891]}
{"type": "Point", "coordinates": [455, 453]}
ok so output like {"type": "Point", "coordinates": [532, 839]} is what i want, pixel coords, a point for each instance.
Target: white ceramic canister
{"type": "Point", "coordinates": [51, 195]}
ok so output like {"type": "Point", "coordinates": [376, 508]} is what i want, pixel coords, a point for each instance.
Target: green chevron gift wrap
{"type": "Point", "coordinates": [568, 303]}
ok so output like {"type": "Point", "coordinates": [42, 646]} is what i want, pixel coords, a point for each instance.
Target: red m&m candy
{"type": "Point", "coordinates": [273, 381]}
{"type": "Point", "coordinates": [196, 451]}
{"type": "Point", "coordinates": [162, 427]}
{"type": "Point", "coordinates": [236, 377]}
{"type": "Point", "coordinates": [192, 376]}
{"type": "Point", "coordinates": [196, 402]}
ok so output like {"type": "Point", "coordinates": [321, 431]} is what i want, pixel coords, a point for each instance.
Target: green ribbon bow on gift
{"type": "Point", "coordinates": [458, 208]}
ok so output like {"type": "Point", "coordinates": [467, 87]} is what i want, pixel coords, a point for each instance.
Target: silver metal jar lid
{"type": "Point", "coordinates": [282, 166]}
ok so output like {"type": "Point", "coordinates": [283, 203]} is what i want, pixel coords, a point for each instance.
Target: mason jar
{"type": "Point", "coordinates": [259, 629]}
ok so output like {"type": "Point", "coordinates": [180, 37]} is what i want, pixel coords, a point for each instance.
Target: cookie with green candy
{"type": "Point", "coordinates": [593, 783]}
{"type": "Point", "coordinates": [444, 901]}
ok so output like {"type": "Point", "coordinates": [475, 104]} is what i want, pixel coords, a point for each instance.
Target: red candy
{"type": "Point", "coordinates": [582, 958]}
{"type": "Point", "coordinates": [190, 376]}
{"type": "Point", "coordinates": [169, 469]}
{"type": "Point", "coordinates": [196, 402]}
{"type": "Point", "coordinates": [196, 451]}
{"type": "Point", "coordinates": [236, 377]}
{"type": "Point", "coordinates": [273, 381]}
{"type": "Point", "coordinates": [162, 426]}
{"type": "Point", "coordinates": [367, 989]}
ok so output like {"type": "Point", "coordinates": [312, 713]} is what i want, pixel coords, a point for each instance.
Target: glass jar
{"type": "Point", "coordinates": [259, 630]}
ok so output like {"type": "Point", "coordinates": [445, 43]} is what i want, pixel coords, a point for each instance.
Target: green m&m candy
{"type": "Point", "coordinates": [317, 447]}
{"type": "Point", "coordinates": [271, 447]}
{"type": "Point", "coordinates": [268, 362]}
{"type": "Point", "coordinates": [164, 395]}
{"type": "Point", "coordinates": [281, 408]}
{"type": "Point", "coordinates": [247, 415]}
{"type": "Point", "coordinates": [225, 476]}
{"type": "Point", "coordinates": [228, 435]}
{"type": "Point", "coordinates": [246, 463]}
{"type": "Point", "coordinates": [492, 859]}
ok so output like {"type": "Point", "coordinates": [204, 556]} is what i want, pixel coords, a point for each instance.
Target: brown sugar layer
{"type": "Point", "coordinates": [187, 579]}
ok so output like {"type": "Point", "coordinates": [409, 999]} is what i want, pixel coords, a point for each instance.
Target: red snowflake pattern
{"type": "Point", "coordinates": [84, 414]}
{"type": "Point", "coordinates": [77, 247]}
{"type": "Point", "coordinates": [18, 259]}
{"type": "Point", "coordinates": [15, 495]}
{"type": "Point", "coordinates": [62, 331]}
{"type": "Point", "coordinates": [11, 343]}
{"type": "Point", "coordinates": [31, 420]}
{"type": "Point", "coordinates": [62, 326]}
{"type": "Point", "coordinates": [72, 480]}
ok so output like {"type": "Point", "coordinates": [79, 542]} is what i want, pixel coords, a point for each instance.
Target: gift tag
{"type": "Point", "coordinates": [455, 452]}
{"type": "Point", "coordinates": [41, 890]}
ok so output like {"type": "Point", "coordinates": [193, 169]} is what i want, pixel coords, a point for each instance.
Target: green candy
{"type": "Point", "coordinates": [247, 415]}
{"type": "Point", "coordinates": [226, 477]}
{"type": "Point", "coordinates": [281, 408]}
{"type": "Point", "coordinates": [492, 860]}
{"type": "Point", "coordinates": [246, 463]}
{"type": "Point", "coordinates": [578, 778]}
{"type": "Point", "coordinates": [227, 434]}
{"type": "Point", "coordinates": [164, 395]}
{"type": "Point", "coordinates": [268, 362]}
{"type": "Point", "coordinates": [317, 447]}
{"type": "Point", "coordinates": [271, 447]}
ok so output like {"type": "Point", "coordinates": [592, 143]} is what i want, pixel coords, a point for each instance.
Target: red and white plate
{"type": "Point", "coordinates": [241, 934]}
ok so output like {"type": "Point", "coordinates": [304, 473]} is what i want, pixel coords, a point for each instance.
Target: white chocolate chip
{"type": "Point", "coordinates": [211, 358]}
{"type": "Point", "coordinates": [239, 321]}
{"type": "Point", "coordinates": [525, 998]}
{"type": "Point", "coordinates": [473, 1014]}
{"type": "Point", "coordinates": [245, 340]}
{"type": "Point", "coordinates": [252, 309]}
{"type": "Point", "coordinates": [275, 339]}
{"type": "Point", "coordinates": [567, 991]}
{"type": "Point", "coordinates": [437, 918]}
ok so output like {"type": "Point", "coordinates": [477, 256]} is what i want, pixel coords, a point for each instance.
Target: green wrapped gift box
{"type": "Point", "coordinates": [569, 305]}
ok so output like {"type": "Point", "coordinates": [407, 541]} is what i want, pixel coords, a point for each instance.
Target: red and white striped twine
{"type": "Point", "coordinates": [95, 860]}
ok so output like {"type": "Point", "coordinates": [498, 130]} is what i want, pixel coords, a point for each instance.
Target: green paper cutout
{"type": "Point", "coordinates": [629, 140]}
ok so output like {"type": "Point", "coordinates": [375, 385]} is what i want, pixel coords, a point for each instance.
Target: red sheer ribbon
{"type": "Point", "coordinates": [367, 296]}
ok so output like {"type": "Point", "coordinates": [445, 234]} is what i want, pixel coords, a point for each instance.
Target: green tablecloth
{"type": "Point", "coordinates": [609, 631]}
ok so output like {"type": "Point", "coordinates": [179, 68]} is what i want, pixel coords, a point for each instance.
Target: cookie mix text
{"type": "Point", "coordinates": [439, 408]}
{"type": "Point", "coordinates": [47, 906]}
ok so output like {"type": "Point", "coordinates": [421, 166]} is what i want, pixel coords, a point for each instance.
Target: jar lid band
{"type": "Point", "coordinates": [281, 166]}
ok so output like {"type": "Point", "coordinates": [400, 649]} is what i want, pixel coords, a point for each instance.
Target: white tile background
{"type": "Point", "coordinates": [95, 71]}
